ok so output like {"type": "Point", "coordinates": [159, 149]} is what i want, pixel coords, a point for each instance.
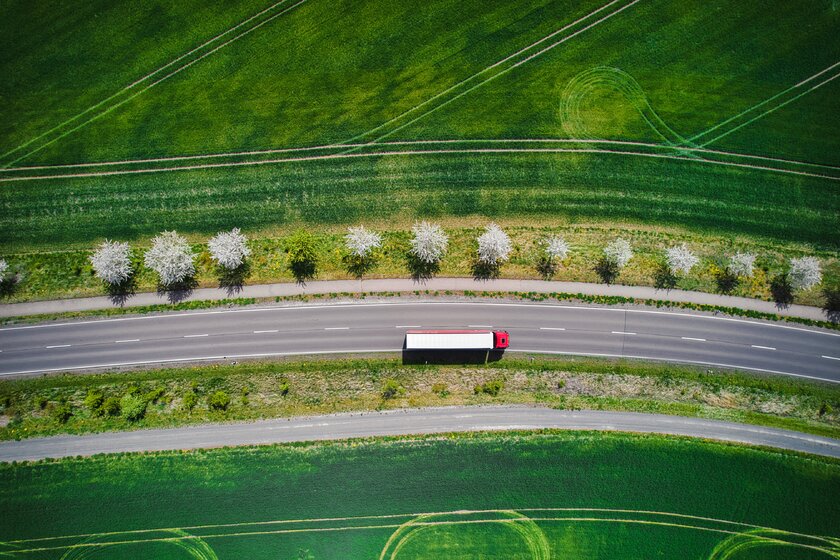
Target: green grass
{"type": "Point", "coordinates": [327, 72]}
{"type": "Point", "coordinates": [483, 494]}
{"type": "Point", "coordinates": [307, 387]}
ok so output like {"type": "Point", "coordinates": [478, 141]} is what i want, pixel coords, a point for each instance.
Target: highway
{"type": "Point", "coordinates": [380, 327]}
{"type": "Point", "coordinates": [410, 421]}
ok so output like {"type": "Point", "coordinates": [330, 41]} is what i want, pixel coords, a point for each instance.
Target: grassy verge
{"type": "Point", "coordinates": [46, 275]}
{"type": "Point", "coordinates": [252, 390]}
{"type": "Point", "coordinates": [528, 296]}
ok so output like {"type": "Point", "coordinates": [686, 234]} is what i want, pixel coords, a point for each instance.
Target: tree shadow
{"type": "Point", "coordinates": [303, 271]}
{"type": "Point", "coordinates": [546, 267]}
{"type": "Point", "coordinates": [8, 285]}
{"type": "Point", "coordinates": [664, 279]}
{"type": "Point", "coordinates": [726, 282]}
{"type": "Point", "coordinates": [421, 270]}
{"type": "Point", "coordinates": [782, 291]}
{"type": "Point", "coordinates": [120, 293]}
{"type": "Point", "coordinates": [486, 271]}
{"type": "Point", "coordinates": [232, 280]}
{"type": "Point", "coordinates": [607, 270]}
{"type": "Point", "coordinates": [178, 292]}
{"type": "Point", "coordinates": [357, 266]}
{"type": "Point", "coordinates": [831, 307]}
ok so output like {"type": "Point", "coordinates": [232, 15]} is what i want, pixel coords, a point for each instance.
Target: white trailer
{"type": "Point", "coordinates": [456, 340]}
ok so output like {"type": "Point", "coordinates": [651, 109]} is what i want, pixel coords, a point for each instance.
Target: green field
{"type": "Point", "coordinates": [530, 109]}
{"type": "Point", "coordinates": [513, 496]}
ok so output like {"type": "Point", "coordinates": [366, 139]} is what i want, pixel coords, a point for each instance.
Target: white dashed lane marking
{"type": "Point", "coordinates": [195, 335]}
{"type": "Point", "coordinates": [762, 347]}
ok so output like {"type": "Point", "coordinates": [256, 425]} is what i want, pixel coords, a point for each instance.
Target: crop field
{"type": "Point", "coordinates": [512, 496]}
{"type": "Point", "coordinates": [121, 119]}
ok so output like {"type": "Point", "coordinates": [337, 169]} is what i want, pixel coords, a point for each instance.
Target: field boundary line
{"type": "Point", "coordinates": [345, 155]}
{"type": "Point", "coordinates": [153, 84]}
{"type": "Point", "coordinates": [144, 78]}
{"type": "Point", "coordinates": [417, 524]}
{"type": "Point", "coordinates": [494, 65]}
{"type": "Point", "coordinates": [423, 142]}
{"type": "Point", "coordinates": [506, 70]}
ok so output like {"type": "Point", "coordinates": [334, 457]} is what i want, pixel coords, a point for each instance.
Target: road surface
{"type": "Point", "coordinates": [380, 327]}
{"type": "Point", "coordinates": [410, 421]}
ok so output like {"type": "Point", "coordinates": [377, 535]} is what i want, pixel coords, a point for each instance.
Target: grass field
{"type": "Point", "coordinates": [719, 117]}
{"type": "Point", "coordinates": [520, 496]}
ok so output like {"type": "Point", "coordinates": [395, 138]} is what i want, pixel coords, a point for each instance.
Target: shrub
{"type": "Point", "coordinates": [680, 259]}
{"type": "Point", "coordinates": [61, 412]}
{"type": "Point", "coordinates": [440, 389]}
{"type": "Point", "coordinates": [94, 400]}
{"type": "Point", "coordinates": [391, 388]}
{"type": "Point", "coordinates": [218, 401]}
{"type": "Point", "coordinates": [4, 269]}
{"type": "Point", "coordinates": [492, 387]}
{"type": "Point", "coordinates": [741, 265]}
{"type": "Point", "coordinates": [302, 250]}
{"type": "Point", "coordinates": [155, 394]}
{"type": "Point", "coordinates": [171, 257]}
{"type": "Point", "coordinates": [132, 407]}
{"type": "Point", "coordinates": [112, 262]}
{"type": "Point", "coordinates": [825, 408]}
{"type": "Point", "coordinates": [805, 273]}
{"type": "Point", "coordinates": [494, 246]}
{"type": "Point", "coordinates": [229, 249]}
{"type": "Point", "coordinates": [189, 400]}
{"type": "Point", "coordinates": [283, 387]}
{"type": "Point", "coordinates": [110, 407]}
{"type": "Point", "coordinates": [429, 243]}
{"type": "Point", "coordinates": [618, 252]}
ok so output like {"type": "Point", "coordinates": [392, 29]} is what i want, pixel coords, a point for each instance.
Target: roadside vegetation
{"type": "Point", "coordinates": [252, 390]}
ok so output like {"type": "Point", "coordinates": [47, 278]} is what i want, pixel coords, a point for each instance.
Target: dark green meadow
{"type": "Point", "coordinates": [753, 78]}
{"type": "Point", "coordinates": [548, 495]}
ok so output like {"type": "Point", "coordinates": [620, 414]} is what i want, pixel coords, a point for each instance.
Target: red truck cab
{"type": "Point", "coordinates": [501, 339]}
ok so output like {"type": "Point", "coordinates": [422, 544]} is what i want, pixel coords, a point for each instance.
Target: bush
{"type": "Point", "coordinates": [218, 401]}
{"type": "Point", "coordinates": [110, 407]}
{"type": "Point", "coordinates": [61, 412]}
{"type": "Point", "coordinates": [155, 395]}
{"type": "Point", "coordinates": [302, 249]}
{"type": "Point", "coordinates": [492, 387]}
{"type": "Point", "coordinates": [132, 407]}
{"type": "Point", "coordinates": [825, 408]}
{"type": "Point", "coordinates": [440, 389]}
{"type": "Point", "coordinates": [391, 388]}
{"type": "Point", "coordinates": [94, 400]}
{"type": "Point", "coordinates": [283, 387]}
{"type": "Point", "coordinates": [189, 400]}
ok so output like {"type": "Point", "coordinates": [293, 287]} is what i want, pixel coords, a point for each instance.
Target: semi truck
{"type": "Point", "coordinates": [457, 340]}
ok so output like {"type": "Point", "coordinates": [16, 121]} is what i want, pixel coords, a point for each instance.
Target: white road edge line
{"type": "Point", "coordinates": [384, 304]}
{"type": "Point", "coordinates": [692, 338]}
{"type": "Point", "coordinates": [762, 347]}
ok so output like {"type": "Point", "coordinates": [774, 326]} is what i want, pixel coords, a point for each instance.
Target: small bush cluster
{"type": "Point", "coordinates": [391, 388]}
{"type": "Point", "coordinates": [492, 387]}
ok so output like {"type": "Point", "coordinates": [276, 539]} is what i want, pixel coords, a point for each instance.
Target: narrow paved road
{"type": "Point", "coordinates": [411, 421]}
{"type": "Point", "coordinates": [380, 327]}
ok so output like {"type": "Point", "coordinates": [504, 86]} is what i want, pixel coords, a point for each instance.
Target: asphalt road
{"type": "Point", "coordinates": [411, 421]}
{"type": "Point", "coordinates": [380, 327]}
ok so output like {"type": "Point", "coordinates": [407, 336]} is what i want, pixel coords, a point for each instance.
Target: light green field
{"type": "Point", "coordinates": [515, 496]}
{"type": "Point", "coordinates": [630, 104]}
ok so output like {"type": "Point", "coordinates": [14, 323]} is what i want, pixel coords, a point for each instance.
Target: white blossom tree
{"type": "Point", "coordinates": [618, 252]}
{"type": "Point", "coordinates": [112, 262]}
{"type": "Point", "coordinates": [429, 243]}
{"type": "Point", "coordinates": [680, 259]}
{"type": "Point", "coordinates": [804, 273]}
{"type": "Point", "coordinates": [494, 245]}
{"type": "Point", "coordinates": [361, 241]}
{"type": "Point", "coordinates": [229, 248]}
{"type": "Point", "coordinates": [741, 264]}
{"type": "Point", "coordinates": [4, 268]}
{"type": "Point", "coordinates": [556, 248]}
{"type": "Point", "coordinates": [171, 257]}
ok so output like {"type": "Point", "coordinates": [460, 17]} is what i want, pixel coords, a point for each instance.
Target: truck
{"type": "Point", "coordinates": [457, 340]}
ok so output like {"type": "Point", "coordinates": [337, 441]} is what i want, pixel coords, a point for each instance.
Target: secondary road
{"type": "Point", "coordinates": [380, 327]}
{"type": "Point", "coordinates": [412, 421]}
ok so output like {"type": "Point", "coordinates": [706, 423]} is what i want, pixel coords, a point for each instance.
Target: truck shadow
{"type": "Point", "coordinates": [450, 357]}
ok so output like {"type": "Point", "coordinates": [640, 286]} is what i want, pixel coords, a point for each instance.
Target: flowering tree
{"type": "Point", "coordinates": [741, 264]}
{"type": "Point", "coordinates": [494, 245]}
{"type": "Point", "coordinates": [680, 259]}
{"type": "Point", "coordinates": [112, 262]}
{"type": "Point", "coordinates": [361, 242]}
{"type": "Point", "coordinates": [4, 268]}
{"type": "Point", "coordinates": [804, 273]}
{"type": "Point", "coordinates": [618, 252]}
{"type": "Point", "coordinates": [171, 257]}
{"type": "Point", "coordinates": [556, 248]}
{"type": "Point", "coordinates": [229, 248]}
{"type": "Point", "coordinates": [429, 243]}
